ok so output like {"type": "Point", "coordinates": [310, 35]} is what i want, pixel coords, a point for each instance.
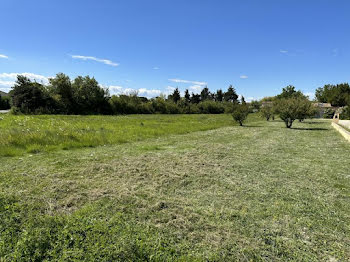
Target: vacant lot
{"type": "Point", "coordinates": [255, 193]}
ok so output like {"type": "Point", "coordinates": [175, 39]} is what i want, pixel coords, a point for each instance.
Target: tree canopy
{"type": "Point", "coordinates": [290, 109]}
{"type": "Point", "coordinates": [84, 95]}
{"type": "Point", "coordinates": [336, 95]}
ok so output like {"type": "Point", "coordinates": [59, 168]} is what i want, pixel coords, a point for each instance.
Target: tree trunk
{"type": "Point", "coordinates": [289, 123]}
{"type": "Point", "coordinates": [240, 123]}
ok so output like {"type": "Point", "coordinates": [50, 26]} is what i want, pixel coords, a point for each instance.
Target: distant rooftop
{"type": "Point", "coordinates": [323, 105]}
{"type": "Point", "coordinates": [3, 93]}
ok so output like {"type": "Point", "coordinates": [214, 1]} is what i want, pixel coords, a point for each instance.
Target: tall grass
{"type": "Point", "coordinates": [33, 134]}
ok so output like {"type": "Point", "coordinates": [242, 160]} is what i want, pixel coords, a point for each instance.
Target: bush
{"type": "Point", "coordinates": [254, 106]}
{"type": "Point", "coordinates": [15, 111]}
{"type": "Point", "coordinates": [329, 113]}
{"type": "Point", "coordinates": [240, 113]}
{"type": "Point", "coordinates": [267, 112]}
{"type": "Point", "coordinates": [172, 108]}
{"type": "Point", "coordinates": [211, 107]}
{"type": "Point", "coordinates": [290, 109]}
{"type": "Point", "coordinates": [346, 113]}
{"type": "Point", "coordinates": [4, 103]}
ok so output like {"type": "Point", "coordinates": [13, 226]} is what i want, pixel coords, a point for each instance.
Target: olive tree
{"type": "Point", "coordinates": [290, 109]}
{"type": "Point", "coordinates": [240, 113]}
{"type": "Point", "coordinates": [267, 111]}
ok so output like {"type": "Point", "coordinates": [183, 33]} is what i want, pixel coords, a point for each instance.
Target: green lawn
{"type": "Point", "coordinates": [256, 193]}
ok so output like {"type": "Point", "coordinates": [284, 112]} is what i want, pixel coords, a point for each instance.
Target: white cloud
{"type": "Point", "coordinates": [4, 56]}
{"type": "Point", "coordinates": [196, 88]}
{"type": "Point", "coordinates": [243, 77]}
{"type": "Point", "coordinates": [311, 95]}
{"type": "Point", "coordinates": [169, 90]}
{"type": "Point", "coordinates": [175, 80]}
{"type": "Point", "coordinates": [149, 92]}
{"type": "Point", "coordinates": [284, 51]}
{"type": "Point", "coordinates": [119, 90]}
{"type": "Point", "coordinates": [7, 80]}
{"type": "Point", "coordinates": [115, 88]}
{"type": "Point", "coordinates": [156, 68]}
{"type": "Point", "coordinates": [85, 58]}
{"type": "Point", "coordinates": [6, 84]}
{"type": "Point", "coordinates": [31, 76]}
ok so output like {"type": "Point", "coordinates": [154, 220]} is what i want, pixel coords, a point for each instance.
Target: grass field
{"type": "Point", "coordinates": [34, 134]}
{"type": "Point", "coordinates": [256, 193]}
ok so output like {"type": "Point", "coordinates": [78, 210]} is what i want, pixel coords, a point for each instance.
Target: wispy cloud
{"type": "Point", "coordinates": [104, 61]}
{"type": "Point", "coordinates": [284, 51]}
{"type": "Point", "coordinates": [4, 56]}
{"type": "Point", "coordinates": [156, 68]}
{"type": "Point", "coordinates": [176, 80]}
{"type": "Point", "coordinates": [7, 80]}
{"type": "Point", "coordinates": [243, 77]}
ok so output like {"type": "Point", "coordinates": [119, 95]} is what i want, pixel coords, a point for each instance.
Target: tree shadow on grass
{"type": "Point", "coordinates": [313, 122]}
{"type": "Point", "coordinates": [310, 129]}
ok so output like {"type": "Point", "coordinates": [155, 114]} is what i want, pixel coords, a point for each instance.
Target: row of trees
{"type": "Point", "coordinates": [81, 96]}
{"type": "Point", "coordinates": [84, 95]}
{"type": "Point", "coordinates": [337, 95]}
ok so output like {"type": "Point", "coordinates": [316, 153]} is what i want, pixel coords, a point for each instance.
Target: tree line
{"type": "Point", "coordinates": [84, 95]}
{"type": "Point", "coordinates": [337, 95]}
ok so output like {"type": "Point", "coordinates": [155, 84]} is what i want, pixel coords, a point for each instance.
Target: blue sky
{"type": "Point", "coordinates": [153, 46]}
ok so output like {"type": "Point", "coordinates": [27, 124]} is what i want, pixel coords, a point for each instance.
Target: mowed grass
{"type": "Point", "coordinates": [34, 134]}
{"type": "Point", "coordinates": [256, 193]}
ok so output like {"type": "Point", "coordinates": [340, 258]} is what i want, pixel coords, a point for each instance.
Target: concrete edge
{"type": "Point", "coordinates": [342, 131]}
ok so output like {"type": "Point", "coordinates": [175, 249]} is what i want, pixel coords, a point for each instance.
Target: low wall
{"type": "Point", "coordinates": [344, 123]}
{"type": "Point", "coordinates": [342, 131]}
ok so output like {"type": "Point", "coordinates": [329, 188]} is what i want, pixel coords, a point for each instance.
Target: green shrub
{"type": "Point", "coordinates": [4, 102]}
{"type": "Point", "coordinates": [293, 108]}
{"type": "Point", "coordinates": [15, 111]}
{"type": "Point", "coordinates": [329, 113]}
{"type": "Point", "coordinates": [267, 112]}
{"type": "Point", "coordinates": [346, 113]}
{"type": "Point", "coordinates": [240, 113]}
{"type": "Point", "coordinates": [211, 107]}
